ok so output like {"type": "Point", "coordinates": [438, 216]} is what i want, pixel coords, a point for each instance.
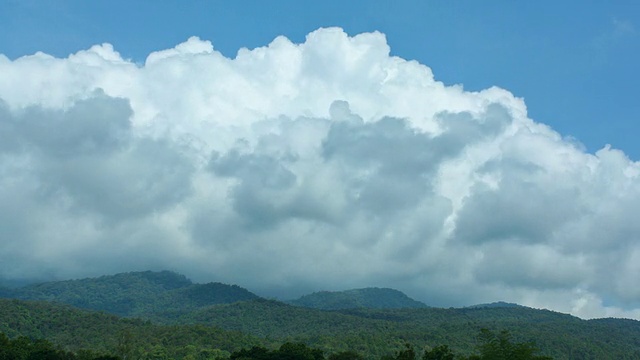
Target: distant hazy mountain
{"type": "Point", "coordinates": [134, 293]}
{"type": "Point", "coordinates": [498, 304]}
{"type": "Point", "coordinates": [372, 298]}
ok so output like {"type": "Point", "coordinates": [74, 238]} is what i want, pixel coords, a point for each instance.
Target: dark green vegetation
{"type": "Point", "coordinates": [24, 348]}
{"type": "Point", "coordinates": [373, 298]}
{"type": "Point", "coordinates": [146, 294]}
{"type": "Point", "coordinates": [177, 319]}
{"type": "Point", "coordinates": [492, 347]}
{"type": "Point", "coordinates": [75, 329]}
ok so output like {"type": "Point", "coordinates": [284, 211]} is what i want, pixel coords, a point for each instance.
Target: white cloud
{"type": "Point", "coordinates": [322, 165]}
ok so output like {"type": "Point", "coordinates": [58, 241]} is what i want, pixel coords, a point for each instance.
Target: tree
{"type": "Point", "coordinates": [124, 349]}
{"type": "Point", "coordinates": [501, 347]}
{"type": "Point", "coordinates": [406, 354]}
{"type": "Point", "coordinates": [346, 355]}
{"type": "Point", "coordinates": [255, 353]}
{"type": "Point", "coordinates": [298, 351]}
{"type": "Point", "coordinates": [442, 352]}
{"type": "Point", "coordinates": [157, 352]}
{"type": "Point", "coordinates": [287, 351]}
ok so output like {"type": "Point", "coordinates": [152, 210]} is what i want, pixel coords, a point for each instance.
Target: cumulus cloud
{"type": "Point", "coordinates": [294, 167]}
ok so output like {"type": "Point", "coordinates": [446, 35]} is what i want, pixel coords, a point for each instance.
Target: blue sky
{"type": "Point", "coordinates": [278, 146]}
{"type": "Point", "coordinates": [574, 62]}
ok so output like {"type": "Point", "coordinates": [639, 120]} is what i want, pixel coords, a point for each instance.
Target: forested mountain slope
{"type": "Point", "coordinates": [175, 314]}
{"type": "Point", "coordinates": [373, 298]}
{"type": "Point", "coordinates": [75, 329]}
{"type": "Point", "coordinates": [145, 294]}
{"type": "Point", "coordinates": [374, 331]}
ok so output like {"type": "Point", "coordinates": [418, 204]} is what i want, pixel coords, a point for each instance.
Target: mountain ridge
{"type": "Point", "coordinates": [173, 308]}
{"type": "Point", "coordinates": [133, 294]}
{"type": "Point", "coordinates": [496, 304]}
{"type": "Point", "coordinates": [369, 297]}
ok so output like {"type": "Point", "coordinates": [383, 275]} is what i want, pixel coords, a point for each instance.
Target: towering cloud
{"type": "Point", "coordinates": [323, 165]}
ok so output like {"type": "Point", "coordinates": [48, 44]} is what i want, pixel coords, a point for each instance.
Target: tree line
{"type": "Point", "coordinates": [492, 346]}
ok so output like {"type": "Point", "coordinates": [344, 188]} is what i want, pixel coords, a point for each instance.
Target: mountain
{"type": "Point", "coordinates": [373, 298]}
{"type": "Point", "coordinates": [180, 317]}
{"type": "Point", "coordinates": [378, 332]}
{"type": "Point", "coordinates": [5, 292]}
{"type": "Point", "coordinates": [146, 294]}
{"type": "Point", "coordinates": [74, 329]}
{"type": "Point", "coordinates": [498, 304]}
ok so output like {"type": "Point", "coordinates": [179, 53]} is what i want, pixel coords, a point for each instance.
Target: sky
{"type": "Point", "coordinates": [462, 152]}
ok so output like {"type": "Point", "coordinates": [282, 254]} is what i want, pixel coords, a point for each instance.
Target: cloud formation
{"type": "Point", "coordinates": [294, 167]}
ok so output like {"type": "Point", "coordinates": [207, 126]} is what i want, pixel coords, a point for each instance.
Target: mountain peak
{"type": "Point", "coordinates": [497, 304]}
{"type": "Point", "coordinates": [133, 293]}
{"type": "Point", "coordinates": [371, 297]}
{"type": "Point", "coordinates": [167, 279]}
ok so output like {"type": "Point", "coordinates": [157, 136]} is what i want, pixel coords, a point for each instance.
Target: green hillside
{"type": "Point", "coordinates": [374, 298]}
{"type": "Point", "coordinates": [74, 329]}
{"type": "Point", "coordinates": [177, 317]}
{"type": "Point", "coordinates": [375, 331]}
{"type": "Point", "coordinates": [147, 294]}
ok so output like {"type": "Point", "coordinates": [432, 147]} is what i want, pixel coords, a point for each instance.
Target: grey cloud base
{"type": "Point", "coordinates": [325, 165]}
